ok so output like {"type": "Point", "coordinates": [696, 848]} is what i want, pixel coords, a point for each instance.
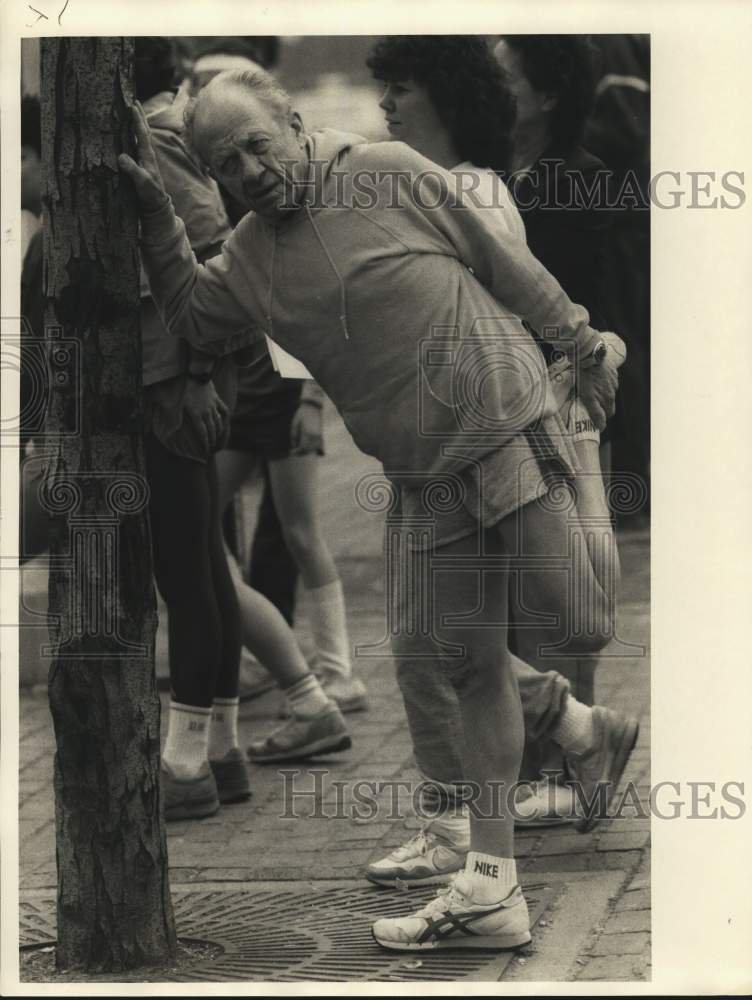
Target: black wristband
{"type": "Point", "coordinates": [203, 378]}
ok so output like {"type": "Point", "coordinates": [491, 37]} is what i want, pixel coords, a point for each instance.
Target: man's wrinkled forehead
{"type": "Point", "coordinates": [226, 111]}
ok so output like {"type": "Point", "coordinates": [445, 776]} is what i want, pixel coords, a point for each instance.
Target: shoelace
{"type": "Point", "coordinates": [420, 840]}
{"type": "Point", "coordinates": [447, 898]}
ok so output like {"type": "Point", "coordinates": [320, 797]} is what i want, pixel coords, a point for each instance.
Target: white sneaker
{"type": "Point", "coordinates": [426, 859]}
{"type": "Point", "coordinates": [544, 803]}
{"type": "Point", "coordinates": [453, 920]}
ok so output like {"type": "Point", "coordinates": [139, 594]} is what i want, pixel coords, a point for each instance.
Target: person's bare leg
{"type": "Point", "coordinates": [294, 486]}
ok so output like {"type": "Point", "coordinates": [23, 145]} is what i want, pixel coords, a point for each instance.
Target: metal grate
{"type": "Point", "coordinates": [292, 932]}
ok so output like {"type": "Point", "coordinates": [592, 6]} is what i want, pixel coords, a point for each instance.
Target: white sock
{"type": "Point", "coordinates": [223, 734]}
{"type": "Point", "coordinates": [454, 829]}
{"type": "Point", "coordinates": [491, 878]}
{"type": "Point", "coordinates": [329, 628]}
{"type": "Point", "coordinates": [574, 732]}
{"type": "Point", "coordinates": [187, 744]}
{"type": "Point", "coordinates": [306, 697]}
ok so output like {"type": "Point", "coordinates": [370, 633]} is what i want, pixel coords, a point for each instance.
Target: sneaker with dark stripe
{"type": "Point", "coordinates": [453, 920]}
{"type": "Point", "coordinates": [321, 734]}
{"type": "Point", "coordinates": [596, 774]}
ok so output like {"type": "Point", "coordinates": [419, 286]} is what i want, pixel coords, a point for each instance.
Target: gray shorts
{"type": "Point", "coordinates": [494, 485]}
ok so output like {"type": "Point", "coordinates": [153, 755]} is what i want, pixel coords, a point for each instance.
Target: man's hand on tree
{"type": "Point", "coordinates": [598, 382]}
{"type": "Point", "coordinates": [206, 411]}
{"type": "Point", "coordinates": [145, 174]}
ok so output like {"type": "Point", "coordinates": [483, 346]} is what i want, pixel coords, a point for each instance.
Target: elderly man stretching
{"type": "Point", "coordinates": [352, 257]}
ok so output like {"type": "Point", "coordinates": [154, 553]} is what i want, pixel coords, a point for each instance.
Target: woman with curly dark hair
{"type": "Point", "coordinates": [448, 98]}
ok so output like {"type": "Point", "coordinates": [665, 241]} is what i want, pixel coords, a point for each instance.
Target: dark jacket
{"type": "Point", "coordinates": [563, 201]}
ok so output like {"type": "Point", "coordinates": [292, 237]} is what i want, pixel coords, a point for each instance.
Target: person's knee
{"type": "Point", "coordinates": [480, 669]}
{"type": "Point", "coordinates": [302, 540]}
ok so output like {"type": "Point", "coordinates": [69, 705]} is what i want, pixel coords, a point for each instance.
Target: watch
{"type": "Point", "coordinates": [599, 352]}
{"type": "Point", "coordinates": [202, 377]}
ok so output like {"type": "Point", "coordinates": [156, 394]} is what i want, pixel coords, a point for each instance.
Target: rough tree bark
{"type": "Point", "coordinates": [113, 905]}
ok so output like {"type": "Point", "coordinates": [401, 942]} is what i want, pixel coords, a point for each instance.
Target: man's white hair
{"type": "Point", "coordinates": [256, 81]}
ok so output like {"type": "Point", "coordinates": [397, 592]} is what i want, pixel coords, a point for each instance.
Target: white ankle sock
{"type": "Point", "coordinates": [454, 829]}
{"type": "Point", "coordinates": [187, 744]}
{"type": "Point", "coordinates": [329, 628]}
{"type": "Point", "coordinates": [574, 732]}
{"type": "Point", "coordinates": [223, 734]}
{"type": "Point", "coordinates": [306, 697]}
{"type": "Point", "coordinates": [490, 877]}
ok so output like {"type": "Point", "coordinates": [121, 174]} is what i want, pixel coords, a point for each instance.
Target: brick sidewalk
{"type": "Point", "coordinates": [252, 842]}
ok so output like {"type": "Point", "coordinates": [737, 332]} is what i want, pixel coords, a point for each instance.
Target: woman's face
{"type": "Point", "coordinates": [532, 105]}
{"type": "Point", "coordinates": [410, 115]}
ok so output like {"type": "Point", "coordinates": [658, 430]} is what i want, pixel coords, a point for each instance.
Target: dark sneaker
{"type": "Point", "coordinates": [323, 733]}
{"type": "Point", "coordinates": [231, 775]}
{"type": "Point", "coordinates": [453, 920]}
{"type": "Point", "coordinates": [189, 798]}
{"type": "Point", "coordinates": [596, 773]}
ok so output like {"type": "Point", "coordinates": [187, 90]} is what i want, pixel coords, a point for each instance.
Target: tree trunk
{"type": "Point", "coordinates": [113, 904]}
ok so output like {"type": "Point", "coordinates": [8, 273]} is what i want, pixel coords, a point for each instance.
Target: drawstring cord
{"type": "Point", "coordinates": [342, 291]}
{"type": "Point", "coordinates": [271, 282]}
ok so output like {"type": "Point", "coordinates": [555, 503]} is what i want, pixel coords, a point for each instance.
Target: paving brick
{"type": "Point", "coordinates": [556, 863]}
{"type": "Point", "coordinates": [623, 841]}
{"type": "Point", "coordinates": [623, 967]}
{"type": "Point", "coordinates": [574, 843]}
{"type": "Point", "coordinates": [638, 900]}
{"type": "Point", "coordinates": [614, 861]}
{"type": "Point", "coordinates": [628, 921]}
{"type": "Point", "coordinates": [622, 944]}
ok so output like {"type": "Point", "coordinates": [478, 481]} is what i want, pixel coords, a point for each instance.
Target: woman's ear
{"type": "Point", "coordinates": [297, 125]}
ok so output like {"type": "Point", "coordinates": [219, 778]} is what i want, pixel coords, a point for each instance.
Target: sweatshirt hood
{"type": "Point", "coordinates": [165, 110]}
{"type": "Point", "coordinates": [327, 145]}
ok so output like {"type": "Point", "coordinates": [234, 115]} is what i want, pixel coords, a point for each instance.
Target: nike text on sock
{"type": "Point", "coordinates": [187, 744]}
{"type": "Point", "coordinates": [491, 878]}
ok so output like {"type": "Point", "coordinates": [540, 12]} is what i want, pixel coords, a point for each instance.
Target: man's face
{"type": "Point", "coordinates": [253, 152]}
{"type": "Point", "coordinates": [532, 105]}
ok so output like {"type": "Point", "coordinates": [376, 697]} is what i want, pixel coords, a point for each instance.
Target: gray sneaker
{"type": "Point", "coordinates": [322, 734]}
{"type": "Point", "coordinates": [348, 692]}
{"type": "Point", "coordinates": [596, 773]}
{"type": "Point", "coordinates": [189, 798]}
{"type": "Point", "coordinates": [231, 775]}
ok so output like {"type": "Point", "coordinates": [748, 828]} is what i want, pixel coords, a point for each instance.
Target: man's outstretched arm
{"type": "Point", "coordinates": [200, 303]}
